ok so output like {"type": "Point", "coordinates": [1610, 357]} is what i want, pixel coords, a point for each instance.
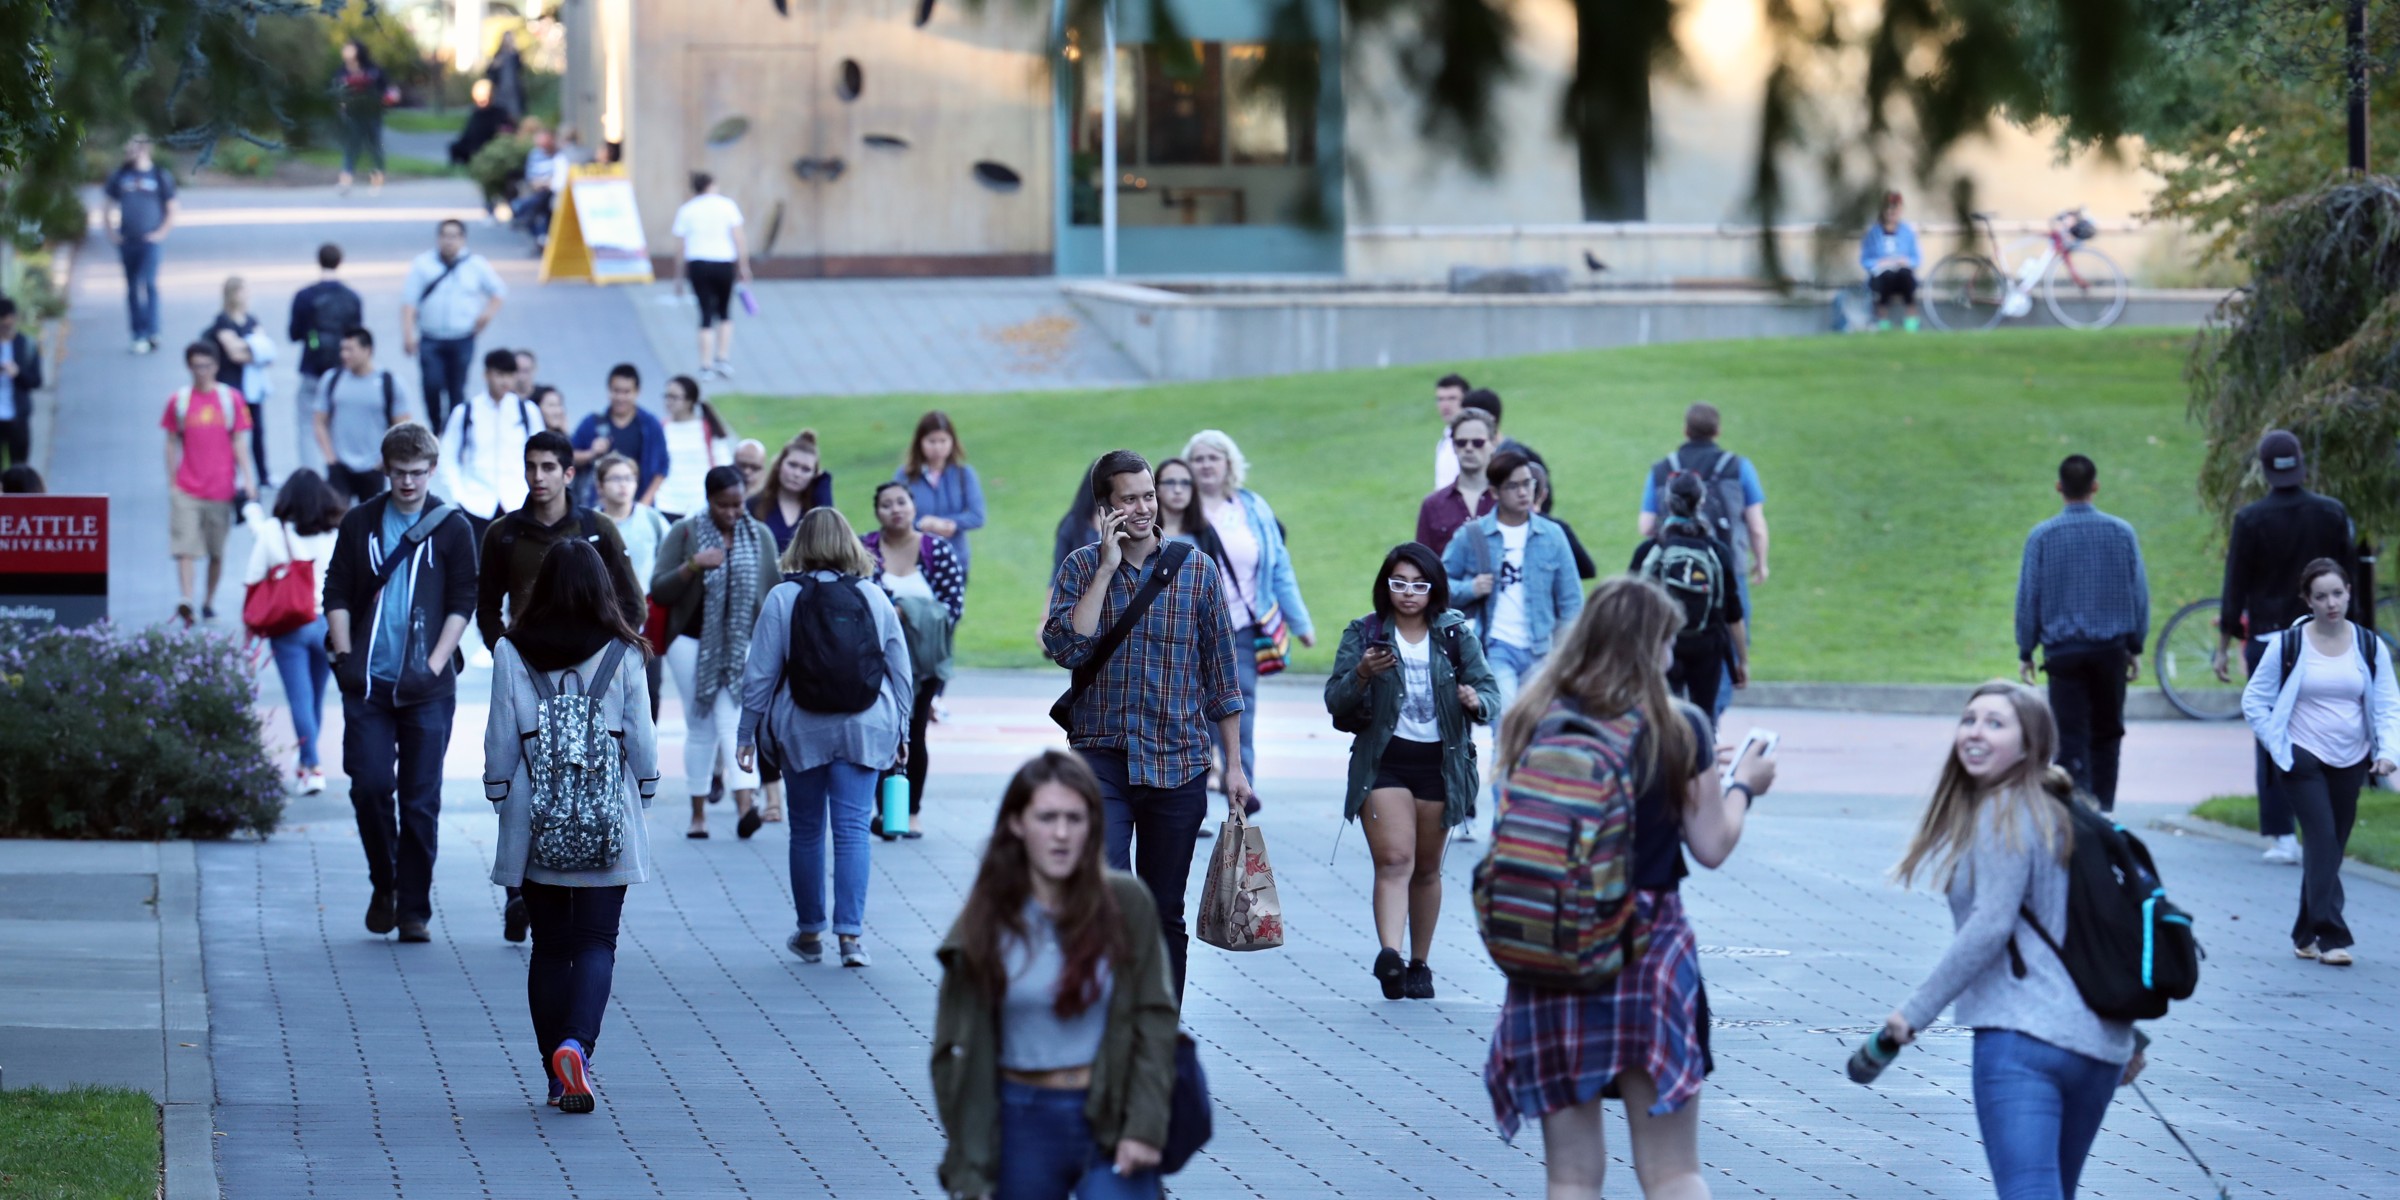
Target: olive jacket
{"type": "Point", "coordinates": [1375, 705]}
{"type": "Point", "coordinates": [1133, 1079]}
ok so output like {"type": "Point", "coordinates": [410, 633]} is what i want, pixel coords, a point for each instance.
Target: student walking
{"type": "Point", "coordinates": [354, 406]}
{"type": "Point", "coordinates": [709, 226]}
{"type": "Point", "coordinates": [713, 571]}
{"type": "Point", "coordinates": [208, 468]}
{"type": "Point", "coordinates": [1262, 593]}
{"type": "Point", "coordinates": [1487, 402]}
{"type": "Point", "coordinates": [1996, 837]}
{"type": "Point", "coordinates": [1449, 396]}
{"type": "Point", "coordinates": [1054, 1035]}
{"type": "Point", "coordinates": [2324, 704]}
{"type": "Point", "coordinates": [946, 491]}
{"type": "Point", "coordinates": [398, 596]}
{"type": "Point", "coordinates": [308, 517]}
{"type": "Point", "coordinates": [243, 355]}
{"type": "Point", "coordinates": [794, 488]}
{"type": "Point", "coordinates": [1469, 493]}
{"type": "Point", "coordinates": [450, 297]}
{"type": "Point", "coordinates": [1409, 682]}
{"type": "Point", "coordinates": [2084, 599]}
{"type": "Point", "coordinates": [1181, 517]}
{"type": "Point", "coordinates": [1146, 696]}
{"type": "Point", "coordinates": [1643, 1037]}
{"type": "Point", "coordinates": [826, 690]}
{"type": "Point", "coordinates": [921, 574]}
{"type": "Point", "coordinates": [626, 428]}
{"type": "Point", "coordinates": [642, 528]}
{"type": "Point", "coordinates": [20, 378]}
{"type": "Point", "coordinates": [694, 438]}
{"type": "Point", "coordinates": [139, 213]}
{"type": "Point", "coordinates": [563, 680]}
{"type": "Point", "coordinates": [516, 545]}
{"type": "Point", "coordinates": [1735, 509]}
{"type": "Point", "coordinates": [321, 313]}
{"type": "Point", "coordinates": [1697, 570]}
{"type": "Point", "coordinates": [2272, 539]}
{"type": "Point", "coordinates": [359, 88]}
{"type": "Point", "coordinates": [483, 471]}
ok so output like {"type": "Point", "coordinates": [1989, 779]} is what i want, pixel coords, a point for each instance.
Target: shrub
{"type": "Point", "coordinates": [107, 732]}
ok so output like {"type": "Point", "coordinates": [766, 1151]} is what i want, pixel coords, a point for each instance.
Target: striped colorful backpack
{"type": "Point", "coordinates": [1554, 895]}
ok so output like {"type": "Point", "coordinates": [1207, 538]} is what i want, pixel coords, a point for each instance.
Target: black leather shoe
{"type": "Point", "coordinates": [1390, 972]}
{"type": "Point", "coordinates": [514, 922]}
{"type": "Point", "coordinates": [414, 931]}
{"type": "Point", "coordinates": [383, 909]}
{"type": "Point", "coordinates": [749, 823]}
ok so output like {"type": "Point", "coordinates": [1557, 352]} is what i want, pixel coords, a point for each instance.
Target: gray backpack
{"type": "Point", "coordinates": [578, 769]}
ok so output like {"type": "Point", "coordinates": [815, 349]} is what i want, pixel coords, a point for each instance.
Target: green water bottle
{"type": "Point", "coordinates": [895, 804]}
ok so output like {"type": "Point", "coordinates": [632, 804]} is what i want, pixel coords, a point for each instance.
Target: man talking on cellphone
{"type": "Point", "coordinates": [1145, 630]}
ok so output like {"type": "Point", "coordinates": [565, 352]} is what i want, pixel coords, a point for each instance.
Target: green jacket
{"type": "Point", "coordinates": [1133, 1078]}
{"type": "Point", "coordinates": [1378, 702]}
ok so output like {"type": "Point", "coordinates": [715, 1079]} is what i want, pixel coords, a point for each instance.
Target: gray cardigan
{"type": "Point", "coordinates": [508, 784]}
{"type": "Point", "coordinates": [806, 740]}
{"type": "Point", "coordinates": [1992, 881]}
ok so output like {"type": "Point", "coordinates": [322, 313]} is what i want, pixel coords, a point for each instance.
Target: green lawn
{"type": "Point", "coordinates": [2375, 839]}
{"type": "Point", "coordinates": [395, 166]}
{"type": "Point", "coordinates": [424, 120]}
{"type": "Point", "coordinates": [84, 1144]}
{"type": "Point", "coordinates": [1901, 474]}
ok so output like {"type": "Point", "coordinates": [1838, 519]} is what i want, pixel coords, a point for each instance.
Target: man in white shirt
{"type": "Point", "coordinates": [1449, 392]}
{"type": "Point", "coordinates": [714, 257]}
{"type": "Point", "coordinates": [450, 297]}
{"type": "Point", "coordinates": [483, 446]}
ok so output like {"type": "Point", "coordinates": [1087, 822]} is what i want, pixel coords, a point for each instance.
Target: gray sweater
{"type": "Point", "coordinates": [508, 783]}
{"type": "Point", "coordinates": [1992, 881]}
{"type": "Point", "coordinates": [806, 740]}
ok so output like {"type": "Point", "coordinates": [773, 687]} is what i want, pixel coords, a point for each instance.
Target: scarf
{"type": "Point", "coordinates": [729, 604]}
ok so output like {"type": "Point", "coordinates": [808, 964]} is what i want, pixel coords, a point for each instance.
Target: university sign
{"type": "Point", "coordinates": [54, 560]}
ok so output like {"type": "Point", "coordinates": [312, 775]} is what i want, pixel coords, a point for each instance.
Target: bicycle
{"type": "Point", "coordinates": [2081, 286]}
{"type": "Point", "coordinates": [2183, 661]}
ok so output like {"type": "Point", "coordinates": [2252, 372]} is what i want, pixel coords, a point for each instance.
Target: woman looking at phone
{"type": "Point", "coordinates": [1409, 680]}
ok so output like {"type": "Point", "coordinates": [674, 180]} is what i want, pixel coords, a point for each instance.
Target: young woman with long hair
{"type": "Point", "coordinates": [1054, 1040]}
{"type": "Point", "coordinates": [308, 516]}
{"type": "Point", "coordinates": [1411, 680]}
{"type": "Point", "coordinates": [830, 760]}
{"type": "Point", "coordinates": [1180, 516]}
{"type": "Point", "coordinates": [696, 443]}
{"type": "Point", "coordinates": [1643, 1039]}
{"type": "Point", "coordinates": [921, 573]}
{"type": "Point", "coordinates": [1996, 837]}
{"type": "Point", "coordinates": [714, 569]}
{"type": "Point", "coordinates": [947, 492]}
{"type": "Point", "coordinates": [795, 485]}
{"type": "Point", "coordinates": [2328, 717]}
{"type": "Point", "coordinates": [570, 624]}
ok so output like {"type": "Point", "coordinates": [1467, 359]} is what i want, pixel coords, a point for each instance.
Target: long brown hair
{"type": "Point", "coordinates": [1948, 827]}
{"type": "Point", "coordinates": [1089, 929]}
{"type": "Point", "coordinates": [1608, 664]}
{"type": "Point", "coordinates": [770, 488]}
{"type": "Point", "coordinates": [573, 588]}
{"type": "Point", "coordinates": [936, 421]}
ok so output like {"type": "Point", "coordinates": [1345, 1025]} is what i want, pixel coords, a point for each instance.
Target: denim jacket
{"type": "Point", "coordinates": [1554, 593]}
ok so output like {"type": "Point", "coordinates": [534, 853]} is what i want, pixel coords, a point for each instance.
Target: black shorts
{"type": "Point", "coordinates": [712, 283]}
{"type": "Point", "coordinates": [1416, 766]}
{"type": "Point", "coordinates": [1899, 283]}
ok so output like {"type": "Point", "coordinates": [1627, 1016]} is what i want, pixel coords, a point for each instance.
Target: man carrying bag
{"type": "Point", "coordinates": [1145, 631]}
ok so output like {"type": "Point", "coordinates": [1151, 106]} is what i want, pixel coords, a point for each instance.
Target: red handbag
{"type": "Point", "coordinates": [654, 628]}
{"type": "Point", "coordinates": [283, 601]}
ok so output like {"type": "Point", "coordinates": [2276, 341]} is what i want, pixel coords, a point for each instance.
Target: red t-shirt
{"type": "Point", "coordinates": [209, 423]}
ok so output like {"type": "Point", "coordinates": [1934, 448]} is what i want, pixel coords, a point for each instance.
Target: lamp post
{"type": "Point", "coordinates": [1108, 139]}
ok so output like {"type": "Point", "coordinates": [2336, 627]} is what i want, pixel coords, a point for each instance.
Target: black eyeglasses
{"type": "Point", "coordinates": [1409, 587]}
{"type": "Point", "coordinates": [1470, 443]}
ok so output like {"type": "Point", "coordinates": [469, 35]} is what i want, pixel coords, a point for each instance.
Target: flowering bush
{"type": "Point", "coordinates": [107, 732]}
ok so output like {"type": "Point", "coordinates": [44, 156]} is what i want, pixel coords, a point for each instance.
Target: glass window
{"type": "Point", "coordinates": [1201, 140]}
{"type": "Point", "coordinates": [1186, 116]}
{"type": "Point", "coordinates": [1263, 130]}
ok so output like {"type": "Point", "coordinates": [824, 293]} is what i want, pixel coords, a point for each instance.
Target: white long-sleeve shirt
{"type": "Point", "coordinates": [483, 453]}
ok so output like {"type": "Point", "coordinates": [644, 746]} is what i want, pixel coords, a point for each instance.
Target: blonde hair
{"type": "Point", "coordinates": [825, 542]}
{"type": "Point", "coordinates": [1237, 468]}
{"type": "Point", "coordinates": [1949, 825]}
{"type": "Point", "coordinates": [1608, 664]}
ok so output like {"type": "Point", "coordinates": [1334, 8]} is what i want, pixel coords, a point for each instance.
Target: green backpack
{"type": "Point", "coordinates": [1554, 894]}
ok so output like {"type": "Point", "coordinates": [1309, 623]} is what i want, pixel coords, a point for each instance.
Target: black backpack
{"type": "Point", "coordinates": [2127, 947]}
{"type": "Point", "coordinates": [835, 663]}
{"type": "Point", "coordinates": [333, 311]}
{"type": "Point", "coordinates": [1686, 565]}
{"type": "Point", "coordinates": [2291, 650]}
{"type": "Point", "coordinates": [1446, 637]}
{"type": "Point", "coordinates": [1720, 497]}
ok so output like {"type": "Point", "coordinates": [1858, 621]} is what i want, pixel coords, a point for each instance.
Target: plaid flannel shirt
{"type": "Point", "coordinates": [2082, 584]}
{"type": "Point", "coordinates": [1158, 694]}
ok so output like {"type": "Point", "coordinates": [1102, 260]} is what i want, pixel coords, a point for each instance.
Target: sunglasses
{"type": "Point", "coordinates": [1409, 587]}
{"type": "Point", "coordinates": [1470, 443]}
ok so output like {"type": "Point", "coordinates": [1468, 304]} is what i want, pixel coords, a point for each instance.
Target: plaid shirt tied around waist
{"type": "Point", "coordinates": [1158, 694]}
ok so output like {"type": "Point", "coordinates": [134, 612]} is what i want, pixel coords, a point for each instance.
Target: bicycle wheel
{"type": "Point", "coordinates": [2181, 663]}
{"type": "Point", "coordinates": [1963, 293]}
{"type": "Point", "coordinates": [2085, 290]}
{"type": "Point", "coordinates": [2387, 624]}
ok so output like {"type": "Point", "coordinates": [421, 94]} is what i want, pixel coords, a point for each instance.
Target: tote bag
{"type": "Point", "coordinates": [1239, 909]}
{"type": "Point", "coordinates": [285, 600]}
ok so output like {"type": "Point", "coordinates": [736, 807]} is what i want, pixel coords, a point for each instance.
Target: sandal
{"type": "Point", "coordinates": [2335, 958]}
{"type": "Point", "coordinates": [774, 812]}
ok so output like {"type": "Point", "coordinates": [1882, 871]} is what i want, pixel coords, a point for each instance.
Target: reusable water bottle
{"type": "Point", "coordinates": [749, 302]}
{"type": "Point", "coordinates": [895, 804]}
{"type": "Point", "coordinates": [1872, 1056]}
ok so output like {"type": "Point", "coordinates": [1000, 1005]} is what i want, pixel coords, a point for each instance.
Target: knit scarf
{"type": "Point", "coordinates": [729, 604]}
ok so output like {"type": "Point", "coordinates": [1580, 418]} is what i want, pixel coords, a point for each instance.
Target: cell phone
{"type": "Point", "coordinates": [1763, 741]}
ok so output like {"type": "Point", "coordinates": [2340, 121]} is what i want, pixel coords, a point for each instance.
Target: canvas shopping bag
{"type": "Point", "coordinates": [1238, 906]}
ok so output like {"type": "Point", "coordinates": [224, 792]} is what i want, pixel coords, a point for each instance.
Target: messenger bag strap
{"type": "Point", "coordinates": [1170, 561]}
{"type": "Point", "coordinates": [409, 542]}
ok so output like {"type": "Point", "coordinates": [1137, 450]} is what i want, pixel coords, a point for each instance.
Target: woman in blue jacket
{"type": "Point", "coordinates": [1261, 591]}
{"type": "Point", "coordinates": [1890, 257]}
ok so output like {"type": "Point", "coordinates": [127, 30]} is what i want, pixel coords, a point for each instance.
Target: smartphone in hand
{"type": "Point", "coordinates": [1758, 743]}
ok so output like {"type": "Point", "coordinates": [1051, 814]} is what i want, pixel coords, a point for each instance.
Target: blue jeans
{"type": "Point", "coordinates": [1167, 823]}
{"type": "Point", "coordinates": [445, 367]}
{"type": "Point", "coordinates": [300, 661]}
{"type": "Point", "coordinates": [1511, 665]}
{"type": "Point", "coordinates": [2039, 1108]}
{"type": "Point", "coordinates": [1047, 1151]}
{"type": "Point", "coordinates": [393, 753]}
{"type": "Point", "coordinates": [842, 793]}
{"type": "Point", "coordinates": [573, 963]}
{"type": "Point", "coordinates": [1245, 671]}
{"type": "Point", "coordinates": [140, 256]}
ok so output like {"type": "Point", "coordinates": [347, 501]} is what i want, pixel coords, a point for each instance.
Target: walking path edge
{"type": "Point", "coordinates": [2203, 827]}
{"type": "Point", "coordinates": [188, 1117]}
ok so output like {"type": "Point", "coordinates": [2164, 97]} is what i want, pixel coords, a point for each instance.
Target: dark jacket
{"type": "Point", "coordinates": [482, 125]}
{"type": "Point", "coordinates": [1378, 702]}
{"type": "Point", "coordinates": [1132, 1079]}
{"type": "Point", "coordinates": [441, 574]}
{"type": "Point", "coordinates": [512, 556]}
{"type": "Point", "coordinates": [2272, 539]}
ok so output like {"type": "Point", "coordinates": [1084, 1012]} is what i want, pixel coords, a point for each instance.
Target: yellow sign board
{"type": "Point", "coordinates": [598, 231]}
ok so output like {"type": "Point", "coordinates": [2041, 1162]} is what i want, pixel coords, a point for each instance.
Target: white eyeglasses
{"type": "Point", "coordinates": [1409, 587]}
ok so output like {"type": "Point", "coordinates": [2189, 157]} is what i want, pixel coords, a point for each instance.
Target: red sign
{"type": "Point", "coordinates": [53, 535]}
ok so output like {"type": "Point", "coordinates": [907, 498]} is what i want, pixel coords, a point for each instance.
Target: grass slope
{"type": "Point", "coordinates": [1901, 474]}
{"type": "Point", "coordinates": [84, 1144]}
{"type": "Point", "coordinates": [2375, 839]}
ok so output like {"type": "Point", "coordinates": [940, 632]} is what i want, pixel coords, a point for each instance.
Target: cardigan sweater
{"type": "Point", "coordinates": [508, 779]}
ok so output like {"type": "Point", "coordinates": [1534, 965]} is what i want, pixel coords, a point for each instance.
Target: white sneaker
{"type": "Point", "coordinates": [724, 368]}
{"type": "Point", "coordinates": [2286, 850]}
{"type": "Point", "coordinates": [312, 783]}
